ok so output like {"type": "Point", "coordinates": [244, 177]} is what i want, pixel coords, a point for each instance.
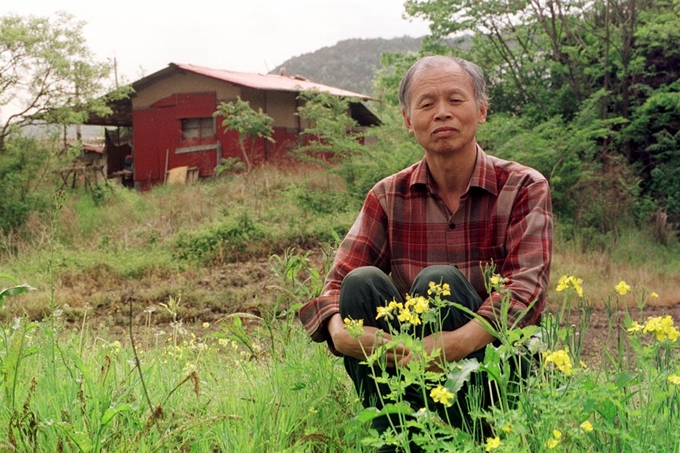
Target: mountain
{"type": "Point", "coordinates": [350, 64]}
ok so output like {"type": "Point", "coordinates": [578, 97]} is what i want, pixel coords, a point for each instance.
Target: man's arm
{"type": "Point", "coordinates": [365, 244]}
{"type": "Point", "coordinates": [362, 346]}
{"type": "Point", "coordinates": [526, 267]}
{"type": "Point", "coordinates": [454, 345]}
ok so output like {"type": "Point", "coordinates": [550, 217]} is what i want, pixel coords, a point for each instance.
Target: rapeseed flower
{"type": "Point", "coordinates": [570, 281]}
{"type": "Point", "coordinates": [662, 327]}
{"type": "Point", "coordinates": [555, 441]}
{"type": "Point", "coordinates": [496, 280]}
{"type": "Point", "coordinates": [635, 327]}
{"type": "Point", "coordinates": [674, 379]}
{"type": "Point", "coordinates": [406, 315]}
{"type": "Point", "coordinates": [587, 426]}
{"type": "Point", "coordinates": [386, 312]}
{"type": "Point", "coordinates": [561, 360]}
{"type": "Point", "coordinates": [654, 295]}
{"type": "Point", "coordinates": [622, 288]}
{"type": "Point", "coordinates": [441, 394]}
{"type": "Point", "coordinates": [419, 304]}
{"type": "Point", "coordinates": [492, 443]}
{"type": "Point", "coordinates": [441, 289]}
{"type": "Point", "coordinates": [355, 327]}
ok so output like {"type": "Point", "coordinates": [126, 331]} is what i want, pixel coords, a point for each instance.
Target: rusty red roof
{"type": "Point", "coordinates": [268, 81]}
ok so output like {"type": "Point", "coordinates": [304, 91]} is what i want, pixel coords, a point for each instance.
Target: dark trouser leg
{"type": "Point", "coordinates": [363, 291]}
{"type": "Point", "coordinates": [367, 288]}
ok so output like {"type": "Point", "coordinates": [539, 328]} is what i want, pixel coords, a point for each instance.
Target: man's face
{"type": "Point", "coordinates": [444, 113]}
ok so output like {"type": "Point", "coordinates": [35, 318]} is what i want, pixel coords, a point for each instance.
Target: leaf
{"type": "Point", "coordinates": [460, 373]}
{"type": "Point", "coordinates": [113, 411]}
{"type": "Point", "coordinates": [14, 291]}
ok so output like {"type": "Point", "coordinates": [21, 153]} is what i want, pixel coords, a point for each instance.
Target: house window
{"type": "Point", "coordinates": [198, 128]}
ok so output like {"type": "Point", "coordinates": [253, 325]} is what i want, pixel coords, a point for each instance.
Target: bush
{"type": "Point", "coordinates": [225, 242]}
{"type": "Point", "coordinates": [22, 168]}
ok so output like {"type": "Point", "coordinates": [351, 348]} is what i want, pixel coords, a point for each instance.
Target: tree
{"type": "Point", "coordinates": [48, 74]}
{"type": "Point", "coordinates": [240, 117]}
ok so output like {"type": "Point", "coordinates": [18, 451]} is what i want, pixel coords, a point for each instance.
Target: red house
{"type": "Point", "coordinates": [171, 116]}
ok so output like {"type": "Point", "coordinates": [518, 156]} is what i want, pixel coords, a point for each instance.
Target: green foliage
{"type": "Point", "coordinates": [608, 72]}
{"type": "Point", "coordinates": [250, 124]}
{"type": "Point", "coordinates": [23, 166]}
{"type": "Point", "coordinates": [229, 166]}
{"type": "Point", "coordinates": [329, 129]}
{"type": "Point", "coordinates": [390, 148]}
{"type": "Point", "coordinates": [14, 290]}
{"type": "Point", "coordinates": [49, 74]}
{"type": "Point", "coordinates": [221, 243]}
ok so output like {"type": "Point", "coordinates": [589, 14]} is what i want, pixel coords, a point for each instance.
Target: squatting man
{"type": "Point", "coordinates": [440, 220]}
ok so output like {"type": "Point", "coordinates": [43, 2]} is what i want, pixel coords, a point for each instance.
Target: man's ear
{"type": "Point", "coordinates": [483, 110]}
{"type": "Point", "coordinates": [407, 120]}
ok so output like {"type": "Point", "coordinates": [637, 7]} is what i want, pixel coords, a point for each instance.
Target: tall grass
{"type": "Point", "coordinates": [257, 384]}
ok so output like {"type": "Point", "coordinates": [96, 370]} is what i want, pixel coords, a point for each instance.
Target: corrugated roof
{"type": "Point", "coordinates": [268, 81]}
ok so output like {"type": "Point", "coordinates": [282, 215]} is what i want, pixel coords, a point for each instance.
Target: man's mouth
{"type": "Point", "coordinates": [444, 130]}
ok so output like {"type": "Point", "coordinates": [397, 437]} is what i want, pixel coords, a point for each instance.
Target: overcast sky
{"type": "Point", "coordinates": [241, 35]}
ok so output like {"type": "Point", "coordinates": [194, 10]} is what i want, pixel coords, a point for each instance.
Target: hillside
{"type": "Point", "coordinates": [350, 64]}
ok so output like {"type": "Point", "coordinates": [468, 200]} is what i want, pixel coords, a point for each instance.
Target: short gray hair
{"type": "Point", "coordinates": [474, 71]}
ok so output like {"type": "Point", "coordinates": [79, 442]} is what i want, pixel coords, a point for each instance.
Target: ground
{"type": "Point", "coordinates": [208, 295]}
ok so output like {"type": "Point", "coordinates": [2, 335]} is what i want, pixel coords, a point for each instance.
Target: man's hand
{"type": "Point", "coordinates": [363, 345]}
{"type": "Point", "coordinates": [453, 345]}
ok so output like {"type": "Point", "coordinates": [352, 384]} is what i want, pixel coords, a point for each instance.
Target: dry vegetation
{"type": "Point", "coordinates": [110, 259]}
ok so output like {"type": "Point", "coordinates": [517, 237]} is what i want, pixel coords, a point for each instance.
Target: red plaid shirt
{"type": "Point", "coordinates": [404, 226]}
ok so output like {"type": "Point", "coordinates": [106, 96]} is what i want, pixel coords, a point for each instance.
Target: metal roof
{"type": "Point", "coordinates": [122, 109]}
{"type": "Point", "coordinates": [268, 81]}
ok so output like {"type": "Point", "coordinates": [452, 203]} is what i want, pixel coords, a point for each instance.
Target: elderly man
{"type": "Point", "coordinates": [439, 220]}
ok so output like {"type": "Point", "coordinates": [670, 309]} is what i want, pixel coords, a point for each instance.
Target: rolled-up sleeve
{"type": "Point", "coordinates": [526, 268]}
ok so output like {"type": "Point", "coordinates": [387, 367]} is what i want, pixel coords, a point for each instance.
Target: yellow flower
{"type": "Point", "coordinates": [419, 304]}
{"type": "Point", "coordinates": [587, 426]}
{"type": "Point", "coordinates": [570, 281]}
{"type": "Point", "coordinates": [441, 394]}
{"type": "Point", "coordinates": [507, 428]}
{"type": "Point", "coordinates": [206, 325]}
{"type": "Point", "coordinates": [622, 288]}
{"type": "Point", "coordinates": [446, 289]}
{"type": "Point", "coordinates": [654, 295]}
{"type": "Point", "coordinates": [438, 289]}
{"type": "Point", "coordinates": [405, 313]}
{"type": "Point", "coordinates": [552, 443]}
{"type": "Point", "coordinates": [555, 441]}
{"type": "Point", "coordinates": [496, 280]}
{"type": "Point", "coordinates": [662, 327]}
{"type": "Point", "coordinates": [492, 443]}
{"type": "Point", "coordinates": [635, 327]}
{"type": "Point", "coordinates": [674, 379]}
{"type": "Point", "coordinates": [384, 312]}
{"type": "Point", "coordinates": [561, 360]}
{"type": "Point", "coordinates": [355, 327]}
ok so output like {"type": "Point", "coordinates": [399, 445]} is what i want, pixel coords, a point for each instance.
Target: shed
{"type": "Point", "coordinates": [171, 117]}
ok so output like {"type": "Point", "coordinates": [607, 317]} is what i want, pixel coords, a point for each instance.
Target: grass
{"type": "Point", "coordinates": [217, 362]}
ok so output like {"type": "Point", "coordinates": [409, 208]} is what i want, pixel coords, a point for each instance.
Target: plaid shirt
{"type": "Point", "coordinates": [404, 226]}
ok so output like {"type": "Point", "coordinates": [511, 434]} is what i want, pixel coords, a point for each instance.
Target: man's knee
{"type": "Point", "coordinates": [362, 290]}
{"type": "Point", "coordinates": [440, 273]}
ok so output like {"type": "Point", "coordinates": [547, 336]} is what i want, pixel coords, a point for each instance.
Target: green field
{"type": "Point", "coordinates": [166, 321]}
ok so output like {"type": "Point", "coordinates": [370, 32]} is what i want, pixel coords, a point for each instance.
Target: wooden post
{"type": "Point", "coordinates": [165, 175]}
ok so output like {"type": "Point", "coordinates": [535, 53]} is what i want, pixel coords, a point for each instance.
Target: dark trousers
{"type": "Point", "coordinates": [367, 288]}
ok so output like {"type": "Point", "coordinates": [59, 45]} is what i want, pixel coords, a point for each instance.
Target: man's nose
{"type": "Point", "coordinates": [442, 111]}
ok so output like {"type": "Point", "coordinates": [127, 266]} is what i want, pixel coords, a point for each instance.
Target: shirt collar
{"type": "Point", "coordinates": [483, 176]}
